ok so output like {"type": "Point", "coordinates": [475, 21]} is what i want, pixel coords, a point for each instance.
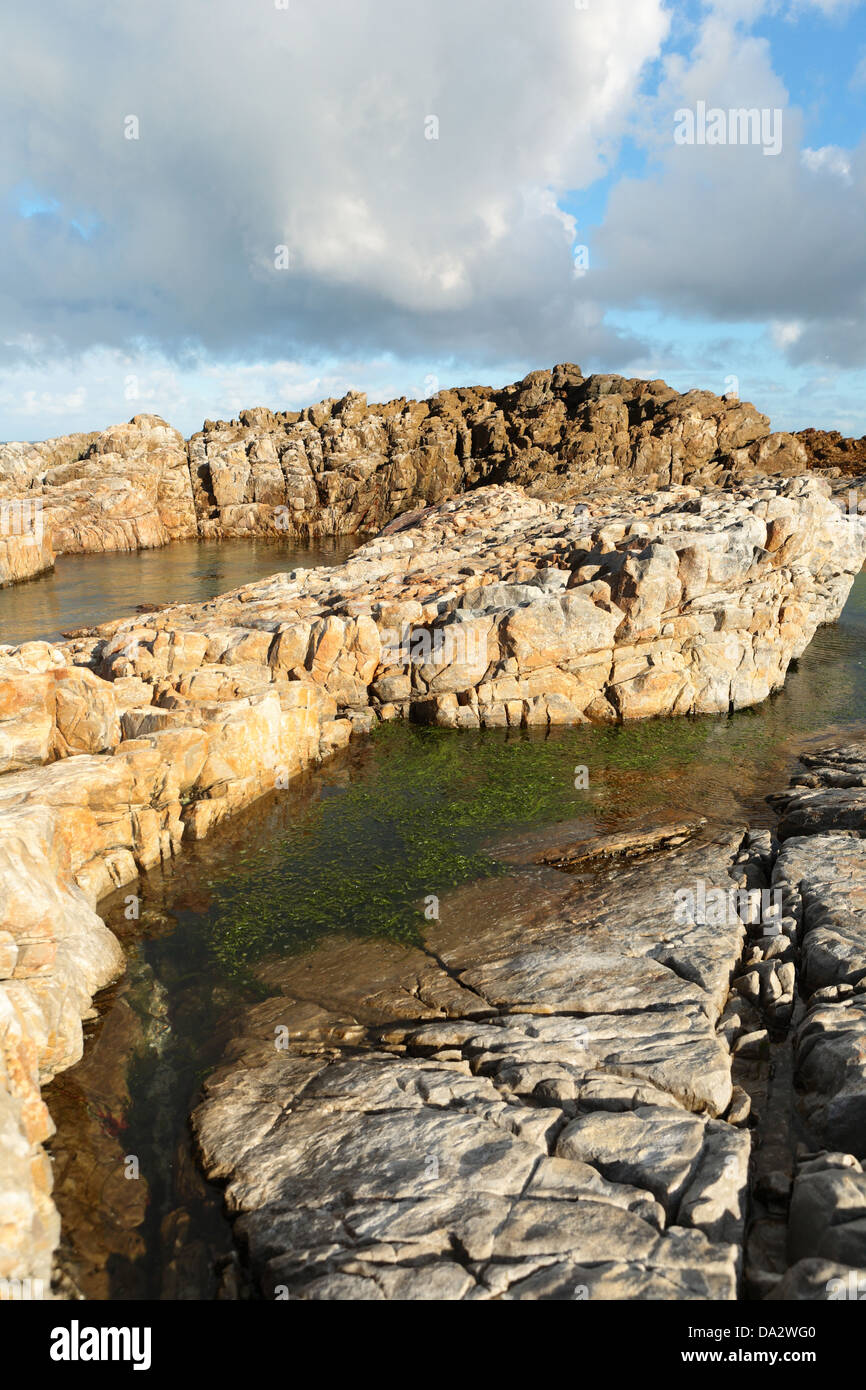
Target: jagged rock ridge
{"type": "Point", "coordinates": [343, 466]}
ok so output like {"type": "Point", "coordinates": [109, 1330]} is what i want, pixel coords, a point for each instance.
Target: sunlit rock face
{"type": "Point", "coordinates": [527, 1108]}
{"type": "Point", "coordinates": [127, 488]}
{"type": "Point", "coordinates": [344, 466]}
{"type": "Point", "coordinates": [498, 608]}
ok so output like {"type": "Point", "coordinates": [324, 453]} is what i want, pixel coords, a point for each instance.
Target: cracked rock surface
{"type": "Point", "coordinates": [820, 871]}
{"type": "Point", "coordinates": [501, 609]}
{"type": "Point", "coordinates": [531, 1106]}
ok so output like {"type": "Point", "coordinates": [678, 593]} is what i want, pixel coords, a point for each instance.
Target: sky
{"type": "Point", "coordinates": [207, 205]}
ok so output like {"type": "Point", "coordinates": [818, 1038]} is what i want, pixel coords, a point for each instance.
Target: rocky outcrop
{"type": "Point", "coordinates": [502, 609]}
{"type": "Point", "coordinates": [24, 554]}
{"type": "Point", "coordinates": [493, 608]}
{"type": "Point", "coordinates": [124, 489]}
{"type": "Point", "coordinates": [822, 871]}
{"type": "Point", "coordinates": [51, 709]}
{"type": "Point", "coordinates": [82, 810]}
{"type": "Point", "coordinates": [22, 465]}
{"type": "Point", "coordinates": [807, 969]}
{"type": "Point", "coordinates": [831, 452]}
{"type": "Point", "coordinates": [542, 1102]}
{"type": "Point", "coordinates": [344, 466]}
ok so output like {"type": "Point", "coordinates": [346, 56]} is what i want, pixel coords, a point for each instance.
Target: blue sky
{"type": "Point", "coordinates": [140, 274]}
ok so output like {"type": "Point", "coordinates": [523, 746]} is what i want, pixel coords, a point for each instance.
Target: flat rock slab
{"type": "Point", "coordinates": [526, 1107]}
{"type": "Point", "coordinates": [824, 879]}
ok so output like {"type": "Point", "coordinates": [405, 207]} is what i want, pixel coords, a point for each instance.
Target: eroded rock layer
{"type": "Point", "coordinates": [821, 871]}
{"type": "Point", "coordinates": [529, 1107]}
{"type": "Point", "coordinates": [126, 488]}
{"type": "Point", "coordinates": [82, 810]}
{"type": "Point", "coordinates": [541, 1103]}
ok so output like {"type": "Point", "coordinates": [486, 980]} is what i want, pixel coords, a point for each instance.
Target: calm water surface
{"type": "Point", "coordinates": [84, 590]}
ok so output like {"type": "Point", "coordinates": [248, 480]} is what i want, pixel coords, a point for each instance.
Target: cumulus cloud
{"type": "Point", "coordinates": [719, 230]}
{"type": "Point", "coordinates": [371, 192]}
{"type": "Point", "coordinates": [167, 152]}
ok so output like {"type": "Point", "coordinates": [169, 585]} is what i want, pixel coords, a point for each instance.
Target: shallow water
{"type": "Point", "coordinates": [356, 848]}
{"type": "Point", "coordinates": [84, 590]}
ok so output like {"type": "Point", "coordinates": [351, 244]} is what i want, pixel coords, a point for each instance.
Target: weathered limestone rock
{"type": "Point", "coordinates": [830, 451]}
{"type": "Point", "coordinates": [55, 953]}
{"type": "Point", "coordinates": [81, 811]}
{"type": "Point", "coordinates": [822, 872]}
{"type": "Point", "coordinates": [342, 466]}
{"type": "Point", "coordinates": [23, 556]}
{"type": "Point", "coordinates": [820, 936]}
{"type": "Point", "coordinates": [497, 608]}
{"type": "Point", "coordinates": [50, 709]}
{"type": "Point", "coordinates": [124, 489]}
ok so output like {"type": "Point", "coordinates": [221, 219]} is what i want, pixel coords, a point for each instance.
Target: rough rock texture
{"type": "Point", "coordinates": [526, 1108]}
{"type": "Point", "coordinates": [354, 1120]}
{"type": "Point", "coordinates": [81, 811]}
{"type": "Point", "coordinates": [51, 709]}
{"type": "Point", "coordinates": [499, 608]}
{"type": "Point", "coordinates": [515, 610]}
{"type": "Point", "coordinates": [342, 466]}
{"type": "Point", "coordinates": [829, 450]}
{"type": "Point", "coordinates": [124, 489]}
{"type": "Point", "coordinates": [22, 464]}
{"type": "Point", "coordinates": [23, 556]}
{"type": "Point", "coordinates": [820, 873]}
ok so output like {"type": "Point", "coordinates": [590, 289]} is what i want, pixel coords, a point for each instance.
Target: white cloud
{"type": "Point", "coordinates": [306, 128]}
{"type": "Point", "coordinates": [41, 398]}
{"type": "Point", "coordinates": [827, 7]}
{"type": "Point", "coordinates": [785, 335]}
{"type": "Point", "coordinates": [408, 257]}
{"type": "Point", "coordinates": [829, 159]}
{"type": "Point", "coordinates": [723, 233]}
